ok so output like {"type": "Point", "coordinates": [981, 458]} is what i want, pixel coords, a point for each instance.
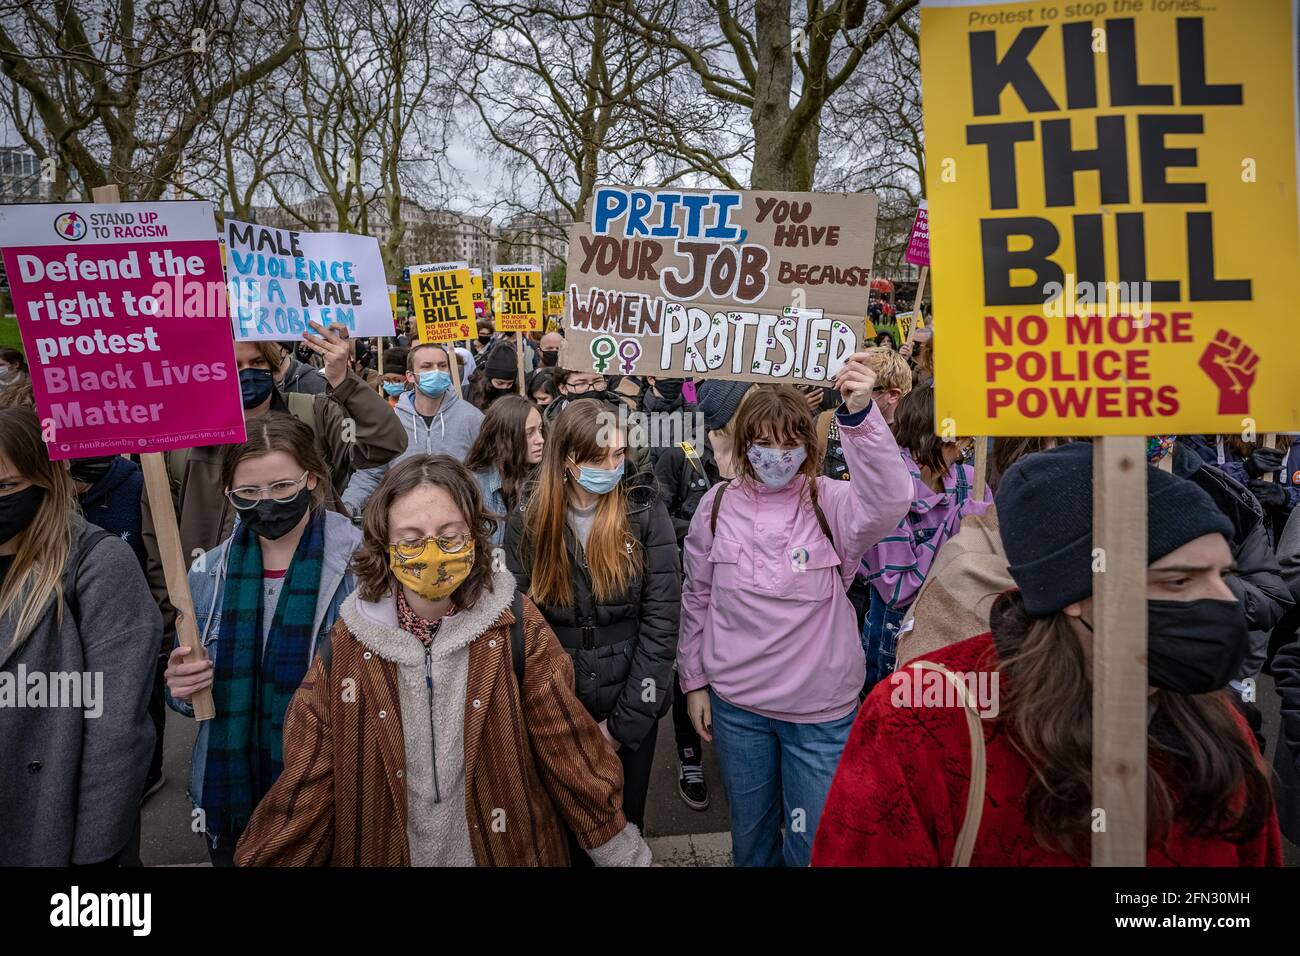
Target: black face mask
{"type": "Point", "coordinates": [18, 510]}
{"type": "Point", "coordinates": [90, 470]}
{"type": "Point", "coordinates": [484, 339]}
{"type": "Point", "coordinates": [493, 393]}
{"type": "Point", "coordinates": [550, 357]}
{"type": "Point", "coordinates": [255, 386]}
{"type": "Point", "coordinates": [275, 519]}
{"type": "Point", "coordinates": [1195, 647]}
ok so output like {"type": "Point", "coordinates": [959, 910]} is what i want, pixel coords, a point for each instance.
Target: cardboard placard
{"type": "Point", "coordinates": [748, 286]}
{"type": "Point", "coordinates": [122, 312]}
{"type": "Point", "coordinates": [517, 294]}
{"type": "Point", "coordinates": [1115, 210]}
{"type": "Point", "coordinates": [280, 279]}
{"type": "Point", "coordinates": [442, 302]}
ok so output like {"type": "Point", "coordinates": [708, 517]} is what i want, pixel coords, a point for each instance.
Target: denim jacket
{"type": "Point", "coordinates": [207, 587]}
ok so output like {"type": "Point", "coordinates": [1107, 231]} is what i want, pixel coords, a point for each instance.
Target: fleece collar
{"type": "Point", "coordinates": [374, 624]}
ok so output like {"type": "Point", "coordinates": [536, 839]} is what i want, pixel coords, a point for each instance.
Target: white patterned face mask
{"type": "Point", "coordinates": [776, 466]}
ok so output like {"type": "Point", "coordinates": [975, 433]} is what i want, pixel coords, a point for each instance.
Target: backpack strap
{"type": "Point", "coordinates": [72, 572]}
{"type": "Point", "coordinates": [964, 845]}
{"type": "Point", "coordinates": [693, 457]}
{"type": "Point", "coordinates": [717, 505]}
{"type": "Point", "coordinates": [517, 638]}
{"type": "Point", "coordinates": [303, 407]}
{"type": "Point", "coordinates": [825, 525]}
{"type": "Point", "coordinates": [176, 460]}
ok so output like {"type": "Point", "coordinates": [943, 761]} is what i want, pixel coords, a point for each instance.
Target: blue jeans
{"type": "Point", "coordinates": [880, 639]}
{"type": "Point", "coordinates": [774, 772]}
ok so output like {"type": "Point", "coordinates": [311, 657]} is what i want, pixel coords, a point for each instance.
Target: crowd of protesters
{"type": "Point", "coordinates": [445, 595]}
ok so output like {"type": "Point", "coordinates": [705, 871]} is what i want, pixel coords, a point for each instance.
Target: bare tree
{"type": "Point", "coordinates": [569, 98]}
{"type": "Point", "coordinates": [754, 56]}
{"type": "Point", "coordinates": [368, 99]}
{"type": "Point", "coordinates": [116, 93]}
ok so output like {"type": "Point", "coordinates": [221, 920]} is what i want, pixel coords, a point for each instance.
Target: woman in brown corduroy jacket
{"type": "Point", "coordinates": [410, 741]}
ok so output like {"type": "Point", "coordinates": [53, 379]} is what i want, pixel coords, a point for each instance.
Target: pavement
{"type": "Point", "coordinates": [678, 835]}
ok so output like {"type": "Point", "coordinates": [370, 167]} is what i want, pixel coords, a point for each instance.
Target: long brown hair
{"type": "Point", "coordinates": [370, 564]}
{"type": "Point", "coordinates": [782, 412]}
{"type": "Point", "coordinates": [277, 431]}
{"type": "Point", "coordinates": [613, 554]}
{"type": "Point", "coordinates": [914, 429]}
{"type": "Point", "coordinates": [36, 574]}
{"type": "Point", "coordinates": [501, 446]}
{"type": "Point", "coordinates": [1047, 701]}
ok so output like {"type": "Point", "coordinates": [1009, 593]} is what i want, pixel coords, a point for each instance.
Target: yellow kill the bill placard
{"type": "Point", "coordinates": [1113, 216]}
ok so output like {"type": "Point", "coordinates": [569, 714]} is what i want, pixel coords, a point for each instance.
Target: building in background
{"type": "Point", "coordinates": [20, 176]}
{"type": "Point", "coordinates": [432, 235]}
{"type": "Point", "coordinates": [541, 238]}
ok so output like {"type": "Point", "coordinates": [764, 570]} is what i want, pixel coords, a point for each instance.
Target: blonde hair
{"type": "Point", "coordinates": [891, 369]}
{"type": "Point", "coordinates": [43, 546]}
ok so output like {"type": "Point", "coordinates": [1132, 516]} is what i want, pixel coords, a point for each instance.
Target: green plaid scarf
{"type": "Point", "coordinates": [252, 691]}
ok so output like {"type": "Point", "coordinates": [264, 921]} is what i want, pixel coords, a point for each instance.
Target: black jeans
{"type": "Point", "coordinates": [683, 729]}
{"type": "Point", "coordinates": [637, 765]}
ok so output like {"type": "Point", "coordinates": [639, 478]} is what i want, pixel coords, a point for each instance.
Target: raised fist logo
{"type": "Point", "coordinates": [1231, 364]}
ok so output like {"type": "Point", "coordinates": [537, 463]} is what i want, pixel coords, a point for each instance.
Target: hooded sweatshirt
{"type": "Point", "coordinates": [451, 432]}
{"type": "Point", "coordinates": [113, 503]}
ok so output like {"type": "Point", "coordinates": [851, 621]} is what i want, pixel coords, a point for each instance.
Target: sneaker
{"type": "Point", "coordinates": [690, 782]}
{"type": "Point", "coordinates": [152, 786]}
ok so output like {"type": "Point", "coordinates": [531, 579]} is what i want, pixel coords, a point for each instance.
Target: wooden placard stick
{"type": "Point", "coordinates": [1119, 652]}
{"type": "Point", "coordinates": [379, 361]}
{"type": "Point", "coordinates": [519, 342]}
{"type": "Point", "coordinates": [916, 305]}
{"type": "Point", "coordinates": [455, 366]}
{"type": "Point", "coordinates": [157, 486]}
{"type": "Point", "coordinates": [981, 466]}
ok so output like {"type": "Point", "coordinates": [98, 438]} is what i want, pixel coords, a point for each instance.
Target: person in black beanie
{"type": "Point", "coordinates": [394, 372]}
{"type": "Point", "coordinates": [1209, 797]}
{"type": "Point", "coordinates": [684, 473]}
{"type": "Point", "coordinates": [500, 375]}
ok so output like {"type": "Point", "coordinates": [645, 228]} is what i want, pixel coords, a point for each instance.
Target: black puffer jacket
{"type": "Point", "coordinates": [623, 650]}
{"type": "Point", "coordinates": [1258, 582]}
{"type": "Point", "coordinates": [683, 485]}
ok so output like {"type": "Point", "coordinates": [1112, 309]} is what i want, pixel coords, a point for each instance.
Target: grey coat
{"type": "Point", "coordinates": [70, 782]}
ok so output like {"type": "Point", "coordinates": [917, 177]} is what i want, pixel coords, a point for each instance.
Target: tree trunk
{"type": "Point", "coordinates": [771, 111]}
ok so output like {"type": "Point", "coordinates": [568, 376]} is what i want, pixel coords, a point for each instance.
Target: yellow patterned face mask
{"type": "Point", "coordinates": [430, 570]}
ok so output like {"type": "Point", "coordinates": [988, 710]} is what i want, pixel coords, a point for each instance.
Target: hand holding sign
{"type": "Point", "coordinates": [336, 351]}
{"type": "Point", "coordinates": [856, 382]}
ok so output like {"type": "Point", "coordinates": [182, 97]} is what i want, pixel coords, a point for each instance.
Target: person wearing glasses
{"type": "Point", "coordinates": [942, 495]}
{"type": "Point", "coordinates": [439, 726]}
{"type": "Point", "coordinates": [263, 599]}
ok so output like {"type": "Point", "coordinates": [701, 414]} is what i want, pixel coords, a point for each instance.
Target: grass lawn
{"type": "Point", "coordinates": [9, 337]}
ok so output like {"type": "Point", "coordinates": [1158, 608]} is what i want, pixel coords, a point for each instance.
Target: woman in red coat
{"type": "Point", "coordinates": [900, 794]}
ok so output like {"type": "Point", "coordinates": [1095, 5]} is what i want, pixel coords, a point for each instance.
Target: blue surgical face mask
{"type": "Point", "coordinates": [776, 466]}
{"type": "Point", "coordinates": [600, 481]}
{"type": "Point", "coordinates": [393, 389]}
{"type": "Point", "coordinates": [433, 383]}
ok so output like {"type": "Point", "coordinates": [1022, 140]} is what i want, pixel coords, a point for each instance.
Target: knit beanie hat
{"type": "Point", "coordinates": [395, 361]}
{"type": "Point", "coordinates": [1044, 505]}
{"type": "Point", "coordinates": [717, 401]}
{"type": "Point", "coordinates": [501, 363]}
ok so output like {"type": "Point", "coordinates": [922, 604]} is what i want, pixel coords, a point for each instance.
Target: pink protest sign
{"type": "Point", "coordinates": [918, 246]}
{"type": "Point", "coordinates": [122, 310]}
